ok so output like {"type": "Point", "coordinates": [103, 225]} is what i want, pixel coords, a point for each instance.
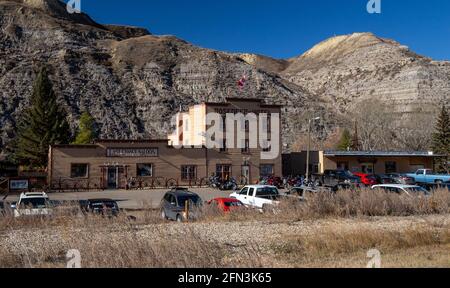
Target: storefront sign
{"type": "Point", "coordinates": [18, 184]}
{"type": "Point", "coordinates": [132, 152]}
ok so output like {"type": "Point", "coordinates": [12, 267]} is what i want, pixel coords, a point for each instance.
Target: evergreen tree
{"type": "Point", "coordinates": [346, 141]}
{"type": "Point", "coordinates": [41, 125]}
{"type": "Point", "coordinates": [441, 140]}
{"type": "Point", "coordinates": [87, 132]}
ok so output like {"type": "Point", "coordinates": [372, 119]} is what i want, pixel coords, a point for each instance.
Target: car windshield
{"type": "Point", "coordinates": [193, 199]}
{"type": "Point", "coordinates": [34, 202]}
{"type": "Point", "coordinates": [270, 193]}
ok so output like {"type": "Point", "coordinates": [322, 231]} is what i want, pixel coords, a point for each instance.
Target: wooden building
{"type": "Point", "coordinates": [114, 164]}
{"type": "Point", "coordinates": [370, 162]}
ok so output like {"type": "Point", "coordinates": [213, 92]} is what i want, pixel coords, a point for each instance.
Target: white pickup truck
{"type": "Point", "coordinates": [258, 196]}
{"type": "Point", "coordinates": [32, 204]}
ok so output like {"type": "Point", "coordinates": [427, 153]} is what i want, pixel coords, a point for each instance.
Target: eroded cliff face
{"type": "Point", "coordinates": [353, 68]}
{"type": "Point", "coordinates": [130, 81]}
{"type": "Point", "coordinates": [133, 82]}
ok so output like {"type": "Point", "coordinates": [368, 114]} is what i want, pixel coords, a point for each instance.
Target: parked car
{"type": "Point", "coordinates": [297, 191]}
{"type": "Point", "coordinates": [104, 207]}
{"type": "Point", "coordinates": [32, 204]}
{"type": "Point", "coordinates": [384, 179]}
{"type": "Point", "coordinates": [401, 179]}
{"type": "Point", "coordinates": [258, 196]}
{"type": "Point", "coordinates": [337, 179]}
{"type": "Point", "coordinates": [410, 190]}
{"type": "Point", "coordinates": [431, 187]}
{"type": "Point", "coordinates": [367, 179]}
{"type": "Point", "coordinates": [173, 205]}
{"type": "Point", "coordinates": [427, 176]}
{"type": "Point", "coordinates": [226, 204]}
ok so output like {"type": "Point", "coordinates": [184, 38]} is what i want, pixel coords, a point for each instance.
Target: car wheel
{"type": "Point", "coordinates": [439, 182]}
{"type": "Point", "coordinates": [179, 218]}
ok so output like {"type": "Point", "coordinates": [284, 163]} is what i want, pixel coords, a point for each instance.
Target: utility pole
{"type": "Point", "coordinates": [309, 146]}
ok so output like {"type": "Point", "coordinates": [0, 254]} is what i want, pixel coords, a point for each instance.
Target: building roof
{"type": "Point", "coordinates": [255, 100]}
{"type": "Point", "coordinates": [380, 154]}
{"type": "Point", "coordinates": [132, 141]}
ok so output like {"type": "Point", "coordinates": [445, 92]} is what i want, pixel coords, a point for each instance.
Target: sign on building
{"type": "Point", "coordinates": [132, 152]}
{"type": "Point", "coordinates": [18, 184]}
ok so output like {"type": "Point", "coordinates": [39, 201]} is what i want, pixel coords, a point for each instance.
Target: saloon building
{"type": "Point", "coordinates": [183, 158]}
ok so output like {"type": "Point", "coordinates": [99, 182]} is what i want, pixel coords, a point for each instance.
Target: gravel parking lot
{"type": "Point", "coordinates": [130, 199]}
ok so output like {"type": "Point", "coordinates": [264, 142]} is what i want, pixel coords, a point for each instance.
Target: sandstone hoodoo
{"type": "Point", "coordinates": [132, 82]}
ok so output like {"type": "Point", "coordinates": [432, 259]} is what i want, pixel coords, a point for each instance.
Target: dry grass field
{"type": "Point", "coordinates": [327, 230]}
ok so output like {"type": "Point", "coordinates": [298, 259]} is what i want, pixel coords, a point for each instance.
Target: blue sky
{"type": "Point", "coordinates": [282, 28]}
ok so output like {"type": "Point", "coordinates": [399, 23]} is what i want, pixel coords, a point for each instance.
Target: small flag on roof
{"type": "Point", "coordinates": [241, 82]}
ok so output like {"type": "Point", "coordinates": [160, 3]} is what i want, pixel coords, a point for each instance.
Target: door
{"type": "Point", "coordinates": [245, 175]}
{"type": "Point", "coordinates": [243, 196]}
{"type": "Point", "coordinates": [112, 178]}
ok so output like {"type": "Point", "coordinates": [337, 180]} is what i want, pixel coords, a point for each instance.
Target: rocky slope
{"type": "Point", "coordinates": [353, 68]}
{"type": "Point", "coordinates": [132, 82]}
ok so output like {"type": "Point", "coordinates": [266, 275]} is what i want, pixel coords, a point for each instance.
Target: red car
{"type": "Point", "coordinates": [226, 204]}
{"type": "Point", "coordinates": [367, 179]}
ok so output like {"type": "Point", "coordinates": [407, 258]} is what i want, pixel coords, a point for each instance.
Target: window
{"type": "Point", "coordinates": [223, 172]}
{"type": "Point", "coordinates": [246, 148]}
{"type": "Point", "coordinates": [367, 168]}
{"type": "Point", "coordinates": [266, 170]}
{"type": "Point", "coordinates": [144, 170]}
{"type": "Point", "coordinates": [188, 172]}
{"type": "Point", "coordinates": [79, 171]}
{"type": "Point", "coordinates": [391, 167]}
{"type": "Point", "coordinates": [244, 191]}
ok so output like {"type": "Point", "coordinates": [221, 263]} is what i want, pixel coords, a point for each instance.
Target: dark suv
{"type": "Point", "coordinates": [173, 205]}
{"type": "Point", "coordinates": [104, 207]}
{"type": "Point", "coordinates": [338, 179]}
